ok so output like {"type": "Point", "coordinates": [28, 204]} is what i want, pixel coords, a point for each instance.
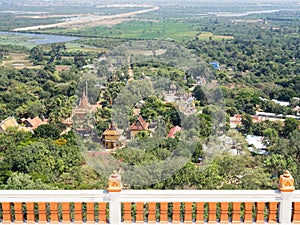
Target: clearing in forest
{"type": "Point", "coordinates": [211, 36]}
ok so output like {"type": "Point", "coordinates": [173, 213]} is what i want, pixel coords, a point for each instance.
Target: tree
{"type": "Point", "coordinates": [36, 53]}
{"type": "Point", "coordinates": [290, 124]}
{"type": "Point", "coordinates": [21, 181]}
{"type": "Point", "coordinates": [200, 95]}
{"type": "Point", "coordinates": [44, 160]}
{"type": "Point", "coordinates": [197, 154]}
{"type": "Point", "coordinates": [247, 124]}
{"type": "Point", "coordinates": [239, 143]}
{"type": "Point", "coordinates": [60, 108]}
{"type": "Point", "coordinates": [276, 164]}
{"type": "Point", "coordinates": [12, 138]}
{"type": "Point", "coordinates": [141, 135]}
{"type": "Point", "coordinates": [271, 136]}
{"type": "Point", "coordinates": [3, 52]}
{"type": "Point", "coordinates": [79, 61]}
{"type": "Point", "coordinates": [47, 131]}
{"type": "Point", "coordinates": [56, 51]}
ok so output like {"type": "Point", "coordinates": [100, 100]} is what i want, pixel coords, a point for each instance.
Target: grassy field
{"type": "Point", "coordinates": [211, 36]}
{"type": "Point", "coordinates": [10, 39]}
{"type": "Point", "coordinates": [170, 29]}
{"type": "Point", "coordinates": [18, 61]}
{"type": "Point", "coordinates": [74, 47]}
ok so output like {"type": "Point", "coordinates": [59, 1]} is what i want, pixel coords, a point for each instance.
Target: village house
{"type": "Point", "coordinates": [236, 120]}
{"type": "Point", "coordinates": [173, 131]}
{"type": "Point", "coordinates": [8, 122]}
{"type": "Point", "coordinates": [256, 144]}
{"type": "Point", "coordinates": [33, 123]}
{"type": "Point", "coordinates": [11, 122]}
{"type": "Point", "coordinates": [139, 125]}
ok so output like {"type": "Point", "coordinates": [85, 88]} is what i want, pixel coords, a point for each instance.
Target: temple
{"type": "Point", "coordinates": [84, 106]}
{"type": "Point", "coordinates": [111, 137]}
{"type": "Point", "coordinates": [139, 125]}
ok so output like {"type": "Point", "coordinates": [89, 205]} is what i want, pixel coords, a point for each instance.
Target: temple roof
{"type": "Point", "coordinates": [112, 130]}
{"type": "Point", "coordinates": [139, 124]}
{"type": "Point", "coordinates": [35, 122]}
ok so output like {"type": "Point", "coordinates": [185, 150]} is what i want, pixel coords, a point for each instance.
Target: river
{"type": "Point", "coordinates": [40, 39]}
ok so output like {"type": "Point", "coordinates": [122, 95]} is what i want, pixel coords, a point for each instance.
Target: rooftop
{"type": "Point", "coordinates": [140, 124]}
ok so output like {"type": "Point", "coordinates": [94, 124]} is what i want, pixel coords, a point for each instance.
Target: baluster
{"type": "Point", "coordinates": [6, 213]}
{"type": "Point", "coordinates": [273, 206]}
{"type": "Point", "coordinates": [127, 212]}
{"type": "Point", "coordinates": [42, 212]}
{"type": "Point", "coordinates": [30, 213]}
{"type": "Point", "coordinates": [248, 213]}
{"type": "Point", "coordinates": [188, 216]}
{"type": "Point", "coordinates": [90, 213]}
{"type": "Point", "coordinates": [296, 212]}
{"type": "Point", "coordinates": [212, 212]}
{"type": "Point", "coordinates": [260, 211]}
{"type": "Point", "coordinates": [200, 213]}
{"type": "Point", "coordinates": [176, 212]}
{"type": "Point", "coordinates": [224, 213]}
{"type": "Point", "coordinates": [18, 212]}
{"type": "Point", "coordinates": [236, 214]}
{"type": "Point", "coordinates": [102, 212]}
{"type": "Point", "coordinates": [78, 212]}
{"type": "Point", "coordinates": [163, 212]}
{"type": "Point", "coordinates": [66, 212]}
{"type": "Point", "coordinates": [152, 212]}
{"type": "Point", "coordinates": [139, 213]}
{"type": "Point", "coordinates": [54, 212]}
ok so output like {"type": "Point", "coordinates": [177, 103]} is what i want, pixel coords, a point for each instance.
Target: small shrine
{"type": "Point", "coordinates": [111, 137]}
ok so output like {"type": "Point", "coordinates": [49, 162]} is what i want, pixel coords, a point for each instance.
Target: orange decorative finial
{"type": "Point", "coordinates": [286, 182]}
{"type": "Point", "coordinates": [114, 182]}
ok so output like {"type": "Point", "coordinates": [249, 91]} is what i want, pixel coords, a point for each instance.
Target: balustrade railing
{"type": "Point", "coordinates": [117, 206]}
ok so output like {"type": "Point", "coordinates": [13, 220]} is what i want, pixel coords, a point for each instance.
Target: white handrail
{"type": "Point", "coordinates": [200, 196]}
{"type": "Point", "coordinates": [145, 196]}
{"type": "Point", "coordinates": [54, 196]}
{"type": "Point", "coordinates": [285, 199]}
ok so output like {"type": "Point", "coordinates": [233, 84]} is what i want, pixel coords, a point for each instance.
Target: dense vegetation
{"type": "Point", "coordinates": [260, 63]}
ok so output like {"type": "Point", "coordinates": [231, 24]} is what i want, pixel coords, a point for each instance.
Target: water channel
{"type": "Point", "coordinates": [40, 39]}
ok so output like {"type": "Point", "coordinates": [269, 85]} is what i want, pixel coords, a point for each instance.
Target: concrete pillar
{"type": "Point", "coordinates": [114, 189]}
{"type": "Point", "coordinates": [286, 187]}
{"type": "Point", "coordinates": [115, 208]}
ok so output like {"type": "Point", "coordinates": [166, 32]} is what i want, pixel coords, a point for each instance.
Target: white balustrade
{"type": "Point", "coordinates": [116, 199]}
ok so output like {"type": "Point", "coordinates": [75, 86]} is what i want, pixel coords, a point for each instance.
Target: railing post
{"type": "Point", "coordinates": [286, 187]}
{"type": "Point", "coordinates": [114, 189]}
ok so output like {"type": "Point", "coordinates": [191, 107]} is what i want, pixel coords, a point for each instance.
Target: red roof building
{"type": "Point", "coordinates": [173, 131]}
{"type": "Point", "coordinates": [33, 123]}
{"type": "Point", "coordinates": [139, 125]}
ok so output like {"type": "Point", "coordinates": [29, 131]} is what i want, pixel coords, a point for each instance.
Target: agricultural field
{"type": "Point", "coordinates": [210, 36]}
{"type": "Point", "coordinates": [18, 61]}
{"type": "Point", "coordinates": [170, 30]}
